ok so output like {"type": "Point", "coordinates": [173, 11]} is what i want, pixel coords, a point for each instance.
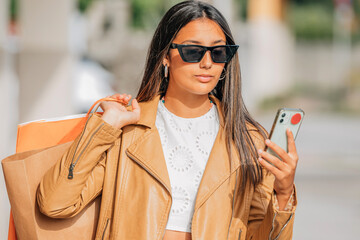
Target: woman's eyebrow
{"type": "Point", "coordinates": [191, 41]}
{"type": "Point", "coordinates": [197, 42]}
{"type": "Point", "coordinates": [219, 41]}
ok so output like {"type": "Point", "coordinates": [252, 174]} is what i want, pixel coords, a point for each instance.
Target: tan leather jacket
{"type": "Point", "coordinates": [128, 168]}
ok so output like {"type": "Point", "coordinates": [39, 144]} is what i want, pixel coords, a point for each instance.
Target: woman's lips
{"type": "Point", "coordinates": [204, 77]}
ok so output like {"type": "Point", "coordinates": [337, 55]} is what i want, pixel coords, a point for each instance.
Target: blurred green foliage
{"type": "Point", "coordinates": [146, 14]}
{"type": "Point", "coordinates": [83, 5]}
{"type": "Point", "coordinates": [13, 9]}
{"type": "Point", "coordinates": [310, 20]}
{"type": "Point", "coordinates": [242, 8]}
{"type": "Point", "coordinates": [325, 3]}
{"type": "Point", "coordinates": [313, 21]}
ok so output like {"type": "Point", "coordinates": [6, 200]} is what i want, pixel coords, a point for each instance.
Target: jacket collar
{"type": "Point", "coordinates": [148, 153]}
{"type": "Point", "coordinates": [148, 112]}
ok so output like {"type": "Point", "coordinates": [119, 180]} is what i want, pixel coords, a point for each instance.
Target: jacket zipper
{"type": "Point", "coordinates": [272, 229]}
{"type": "Point", "coordinates": [138, 162]}
{"type": "Point", "coordinates": [72, 165]}
{"type": "Point", "coordinates": [240, 234]}
{"type": "Point", "coordinates": [107, 222]}
{"type": "Point", "coordinates": [70, 176]}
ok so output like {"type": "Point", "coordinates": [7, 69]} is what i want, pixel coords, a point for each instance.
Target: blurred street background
{"type": "Point", "coordinates": [58, 57]}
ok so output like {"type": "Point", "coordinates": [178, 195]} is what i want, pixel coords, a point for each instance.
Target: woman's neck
{"type": "Point", "coordinates": [187, 106]}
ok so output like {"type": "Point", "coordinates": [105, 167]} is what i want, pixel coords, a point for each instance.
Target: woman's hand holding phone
{"type": "Point", "coordinates": [280, 156]}
{"type": "Point", "coordinates": [116, 114]}
{"type": "Point", "coordinates": [283, 168]}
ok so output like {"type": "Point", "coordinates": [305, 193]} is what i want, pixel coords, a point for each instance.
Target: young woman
{"type": "Point", "coordinates": [185, 160]}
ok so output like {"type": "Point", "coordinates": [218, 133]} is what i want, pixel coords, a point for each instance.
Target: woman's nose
{"type": "Point", "coordinates": [206, 61]}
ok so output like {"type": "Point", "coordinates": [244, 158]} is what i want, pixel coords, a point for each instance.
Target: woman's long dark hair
{"type": "Point", "coordinates": [228, 91]}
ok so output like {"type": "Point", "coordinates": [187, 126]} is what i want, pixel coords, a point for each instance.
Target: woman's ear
{"type": "Point", "coordinates": [166, 61]}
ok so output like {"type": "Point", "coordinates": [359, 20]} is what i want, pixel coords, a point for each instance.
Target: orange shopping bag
{"type": "Point", "coordinates": [47, 133]}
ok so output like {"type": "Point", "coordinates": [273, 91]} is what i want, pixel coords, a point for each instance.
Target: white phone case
{"type": "Point", "coordinates": [285, 118]}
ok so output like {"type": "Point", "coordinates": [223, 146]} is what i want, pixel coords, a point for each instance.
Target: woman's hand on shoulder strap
{"type": "Point", "coordinates": [283, 169]}
{"type": "Point", "coordinates": [116, 114]}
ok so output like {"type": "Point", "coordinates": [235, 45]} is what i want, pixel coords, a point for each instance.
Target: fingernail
{"type": "Point", "coordinates": [267, 141]}
{"type": "Point", "coordinates": [260, 151]}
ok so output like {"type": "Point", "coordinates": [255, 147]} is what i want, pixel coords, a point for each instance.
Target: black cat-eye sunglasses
{"type": "Point", "coordinates": [194, 53]}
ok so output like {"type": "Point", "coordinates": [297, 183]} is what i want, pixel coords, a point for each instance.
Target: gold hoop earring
{"type": "Point", "coordinates": [223, 75]}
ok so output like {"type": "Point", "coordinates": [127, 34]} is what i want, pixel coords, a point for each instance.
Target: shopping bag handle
{"type": "Point", "coordinates": [69, 137]}
{"type": "Point", "coordinates": [98, 104]}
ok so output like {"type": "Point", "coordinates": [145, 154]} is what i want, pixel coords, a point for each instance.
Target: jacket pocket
{"type": "Point", "coordinates": [106, 227]}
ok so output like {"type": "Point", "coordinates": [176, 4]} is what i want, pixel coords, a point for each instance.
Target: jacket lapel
{"type": "Point", "coordinates": [147, 152]}
{"type": "Point", "coordinates": [217, 169]}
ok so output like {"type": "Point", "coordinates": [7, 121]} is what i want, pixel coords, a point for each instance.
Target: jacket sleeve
{"type": "Point", "coordinates": [265, 220]}
{"type": "Point", "coordinates": [60, 196]}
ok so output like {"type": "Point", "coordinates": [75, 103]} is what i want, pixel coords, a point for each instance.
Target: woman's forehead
{"type": "Point", "coordinates": [201, 31]}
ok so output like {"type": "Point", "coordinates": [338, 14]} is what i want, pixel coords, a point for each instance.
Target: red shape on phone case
{"type": "Point", "coordinates": [296, 118]}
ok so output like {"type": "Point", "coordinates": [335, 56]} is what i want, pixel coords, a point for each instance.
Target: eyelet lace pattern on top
{"type": "Point", "coordinates": [186, 143]}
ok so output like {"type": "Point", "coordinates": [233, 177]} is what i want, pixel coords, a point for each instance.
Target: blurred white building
{"type": "Point", "coordinates": [8, 103]}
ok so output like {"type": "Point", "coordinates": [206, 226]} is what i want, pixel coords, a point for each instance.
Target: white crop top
{"type": "Point", "coordinates": [186, 144]}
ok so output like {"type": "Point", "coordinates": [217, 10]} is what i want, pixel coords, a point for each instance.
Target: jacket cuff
{"type": "Point", "coordinates": [282, 221]}
{"type": "Point", "coordinates": [105, 130]}
{"type": "Point", "coordinates": [290, 203]}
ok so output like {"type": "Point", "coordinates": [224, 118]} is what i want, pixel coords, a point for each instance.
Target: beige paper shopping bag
{"type": "Point", "coordinates": [24, 170]}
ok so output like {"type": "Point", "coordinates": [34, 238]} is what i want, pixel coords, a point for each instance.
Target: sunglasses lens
{"type": "Point", "coordinates": [219, 54]}
{"type": "Point", "coordinates": [192, 53]}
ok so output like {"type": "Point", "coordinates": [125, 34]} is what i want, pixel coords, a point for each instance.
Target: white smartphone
{"type": "Point", "coordinates": [285, 118]}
